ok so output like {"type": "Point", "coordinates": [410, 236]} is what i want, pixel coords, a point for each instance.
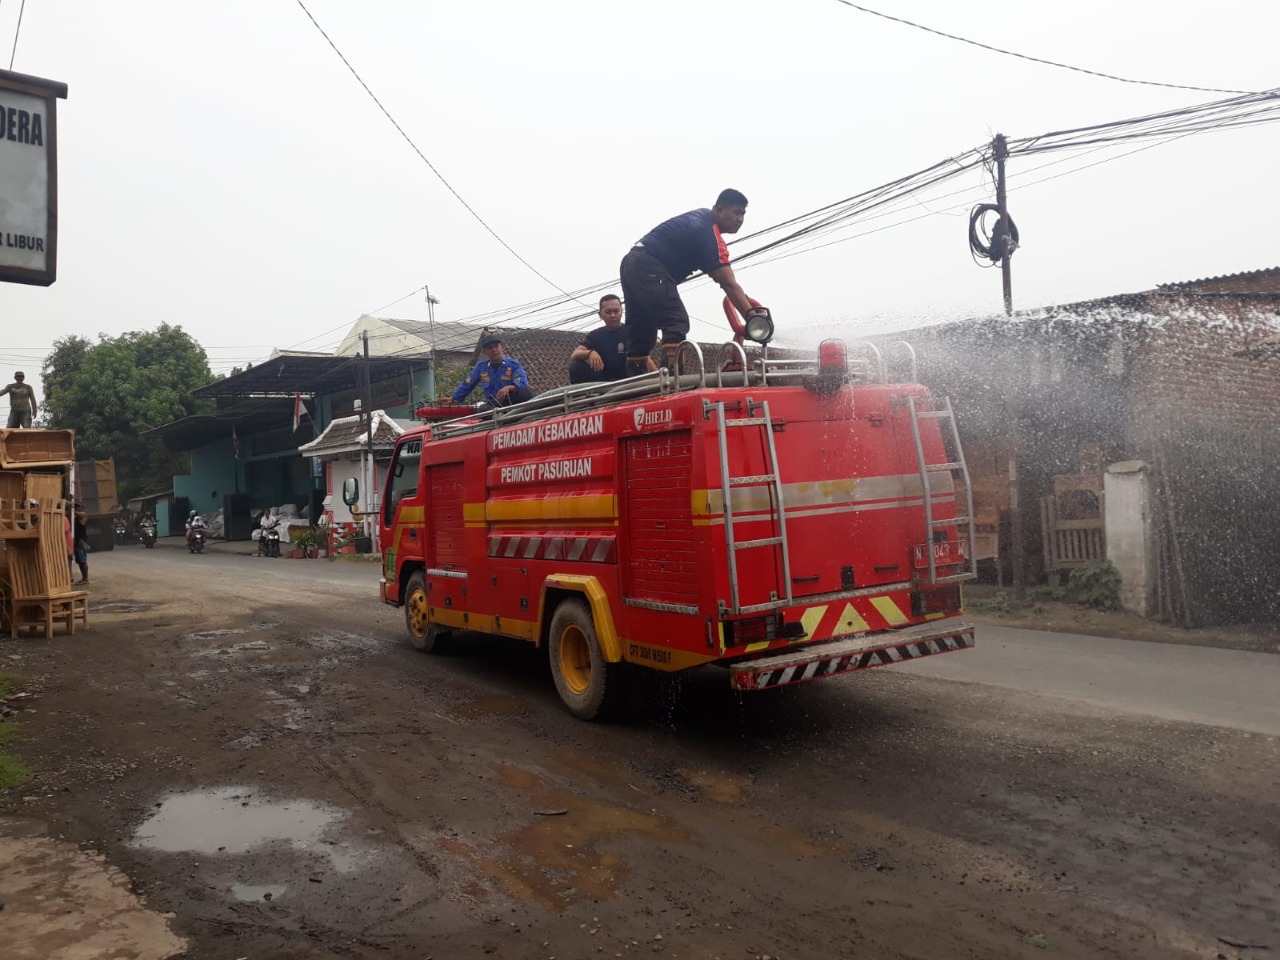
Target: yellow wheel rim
{"type": "Point", "coordinates": [575, 660]}
{"type": "Point", "coordinates": [418, 621]}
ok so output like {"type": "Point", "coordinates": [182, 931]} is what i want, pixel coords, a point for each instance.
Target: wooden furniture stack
{"type": "Point", "coordinates": [35, 581]}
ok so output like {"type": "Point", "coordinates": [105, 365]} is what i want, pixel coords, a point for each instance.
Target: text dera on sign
{"type": "Point", "coordinates": [21, 126]}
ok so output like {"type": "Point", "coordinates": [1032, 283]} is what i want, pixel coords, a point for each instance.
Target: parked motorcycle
{"type": "Point", "coordinates": [147, 533]}
{"type": "Point", "coordinates": [195, 542]}
{"type": "Point", "coordinates": [269, 538]}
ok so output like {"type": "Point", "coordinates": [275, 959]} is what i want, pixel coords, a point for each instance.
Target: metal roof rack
{"type": "Point", "coordinates": [736, 371]}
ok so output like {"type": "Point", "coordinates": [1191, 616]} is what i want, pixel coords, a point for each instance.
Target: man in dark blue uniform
{"type": "Point", "coordinates": [602, 354]}
{"type": "Point", "coordinates": [667, 255]}
{"type": "Point", "coordinates": [501, 378]}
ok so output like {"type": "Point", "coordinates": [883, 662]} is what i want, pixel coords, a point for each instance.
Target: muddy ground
{"type": "Point", "coordinates": [253, 745]}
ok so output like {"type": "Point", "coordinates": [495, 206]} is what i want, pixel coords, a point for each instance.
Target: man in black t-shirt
{"type": "Point", "coordinates": [664, 257]}
{"type": "Point", "coordinates": [602, 354]}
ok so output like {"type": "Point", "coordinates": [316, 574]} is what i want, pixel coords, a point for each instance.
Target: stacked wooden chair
{"type": "Point", "coordinates": [35, 580]}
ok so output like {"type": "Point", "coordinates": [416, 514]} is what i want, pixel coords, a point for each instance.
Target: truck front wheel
{"type": "Point", "coordinates": [587, 683]}
{"type": "Point", "coordinates": [423, 634]}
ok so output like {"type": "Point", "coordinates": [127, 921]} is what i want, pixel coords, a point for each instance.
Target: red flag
{"type": "Point", "coordinates": [297, 411]}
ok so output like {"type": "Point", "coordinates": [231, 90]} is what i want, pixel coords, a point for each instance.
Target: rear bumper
{"type": "Point", "coordinates": [844, 656]}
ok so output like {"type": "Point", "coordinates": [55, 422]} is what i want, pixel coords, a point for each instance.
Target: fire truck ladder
{"type": "Point", "coordinates": [959, 472]}
{"type": "Point", "coordinates": [770, 479]}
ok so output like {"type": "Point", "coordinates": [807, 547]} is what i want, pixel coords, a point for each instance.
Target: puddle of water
{"type": "Point", "coordinates": [249, 892]}
{"type": "Point", "coordinates": [213, 634]}
{"type": "Point", "coordinates": [236, 820]}
{"type": "Point", "coordinates": [122, 606]}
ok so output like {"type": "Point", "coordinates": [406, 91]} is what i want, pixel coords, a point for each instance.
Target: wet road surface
{"type": "Point", "coordinates": [251, 741]}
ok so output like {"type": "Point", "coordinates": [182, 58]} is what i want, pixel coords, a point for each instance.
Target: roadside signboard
{"type": "Point", "coordinates": [29, 178]}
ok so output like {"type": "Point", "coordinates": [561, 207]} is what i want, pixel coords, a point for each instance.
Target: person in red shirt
{"type": "Point", "coordinates": [664, 257]}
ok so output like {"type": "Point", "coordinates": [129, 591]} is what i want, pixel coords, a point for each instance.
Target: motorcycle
{"type": "Point", "coordinates": [269, 540]}
{"type": "Point", "coordinates": [195, 542]}
{"type": "Point", "coordinates": [147, 534]}
{"type": "Point", "coordinates": [122, 533]}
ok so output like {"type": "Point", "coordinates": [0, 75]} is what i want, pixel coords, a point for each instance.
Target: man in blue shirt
{"type": "Point", "coordinates": [500, 377]}
{"type": "Point", "coordinates": [602, 354]}
{"type": "Point", "coordinates": [667, 255]}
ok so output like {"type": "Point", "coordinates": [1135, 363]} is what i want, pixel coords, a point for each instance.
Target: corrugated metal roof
{"type": "Point", "coordinates": [1246, 275]}
{"type": "Point", "coordinates": [348, 433]}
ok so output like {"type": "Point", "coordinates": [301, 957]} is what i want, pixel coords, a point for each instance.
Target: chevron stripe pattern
{"type": "Point", "coordinates": [846, 663]}
{"type": "Point", "coordinates": [577, 549]}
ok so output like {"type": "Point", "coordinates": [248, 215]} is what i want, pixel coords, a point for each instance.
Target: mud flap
{"type": "Point", "coordinates": [843, 656]}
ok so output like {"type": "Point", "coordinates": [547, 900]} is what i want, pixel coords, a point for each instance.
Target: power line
{"type": "Point", "coordinates": [1023, 56]}
{"type": "Point", "coordinates": [17, 31]}
{"type": "Point", "coordinates": [423, 156]}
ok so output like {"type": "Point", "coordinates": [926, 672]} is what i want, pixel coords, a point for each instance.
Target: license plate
{"type": "Point", "coordinates": [946, 553]}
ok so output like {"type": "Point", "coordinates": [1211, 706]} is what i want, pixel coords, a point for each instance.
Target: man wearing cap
{"type": "Point", "coordinates": [22, 402]}
{"type": "Point", "coordinates": [501, 378]}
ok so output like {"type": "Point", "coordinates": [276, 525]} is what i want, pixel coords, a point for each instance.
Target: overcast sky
{"type": "Point", "coordinates": [220, 168]}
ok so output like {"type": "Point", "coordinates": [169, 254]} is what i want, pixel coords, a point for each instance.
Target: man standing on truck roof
{"type": "Point", "coordinates": [668, 254]}
{"type": "Point", "coordinates": [22, 402]}
{"type": "Point", "coordinates": [501, 378]}
{"type": "Point", "coordinates": [602, 354]}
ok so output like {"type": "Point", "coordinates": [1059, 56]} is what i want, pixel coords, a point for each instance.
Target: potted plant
{"type": "Point", "coordinates": [304, 542]}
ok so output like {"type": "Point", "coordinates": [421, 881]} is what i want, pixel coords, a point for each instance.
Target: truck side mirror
{"type": "Point", "coordinates": [351, 491]}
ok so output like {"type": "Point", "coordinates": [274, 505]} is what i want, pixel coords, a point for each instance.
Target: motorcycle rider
{"type": "Point", "coordinates": [268, 522]}
{"type": "Point", "coordinates": [194, 522]}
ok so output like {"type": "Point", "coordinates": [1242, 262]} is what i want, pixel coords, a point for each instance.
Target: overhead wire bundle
{"type": "Point", "coordinates": [833, 222]}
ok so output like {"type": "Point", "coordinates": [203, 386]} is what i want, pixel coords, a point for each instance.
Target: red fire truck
{"type": "Point", "coordinates": [787, 519]}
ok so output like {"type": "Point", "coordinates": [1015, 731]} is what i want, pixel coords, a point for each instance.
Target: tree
{"type": "Point", "coordinates": [112, 391]}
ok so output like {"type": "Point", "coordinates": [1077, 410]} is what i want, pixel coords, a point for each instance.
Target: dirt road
{"type": "Point", "coordinates": [251, 742]}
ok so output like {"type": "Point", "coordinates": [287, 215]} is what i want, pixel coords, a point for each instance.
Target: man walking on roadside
{"type": "Point", "coordinates": [22, 402]}
{"type": "Point", "coordinates": [666, 255]}
{"type": "Point", "coordinates": [81, 537]}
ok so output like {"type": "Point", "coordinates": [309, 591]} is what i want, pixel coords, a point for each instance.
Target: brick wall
{"type": "Point", "coordinates": [1206, 417]}
{"type": "Point", "coordinates": [1185, 364]}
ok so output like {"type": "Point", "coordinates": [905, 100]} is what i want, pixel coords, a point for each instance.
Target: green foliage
{"type": "Point", "coordinates": [1000, 605]}
{"type": "Point", "coordinates": [13, 772]}
{"type": "Point", "coordinates": [307, 538]}
{"type": "Point", "coordinates": [448, 377]}
{"type": "Point", "coordinates": [1047, 594]}
{"type": "Point", "coordinates": [1096, 584]}
{"type": "Point", "coordinates": [112, 391]}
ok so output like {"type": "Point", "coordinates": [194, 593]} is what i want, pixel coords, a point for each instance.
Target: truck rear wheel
{"type": "Point", "coordinates": [586, 682]}
{"type": "Point", "coordinates": [423, 634]}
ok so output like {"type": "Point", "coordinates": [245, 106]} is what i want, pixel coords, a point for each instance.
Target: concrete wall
{"type": "Point", "coordinates": [1130, 533]}
{"type": "Point", "coordinates": [338, 471]}
{"type": "Point", "coordinates": [213, 475]}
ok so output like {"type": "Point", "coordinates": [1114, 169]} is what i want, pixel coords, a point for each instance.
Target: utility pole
{"type": "Point", "coordinates": [1017, 528]}
{"type": "Point", "coordinates": [372, 473]}
{"type": "Point", "coordinates": [1001, 150]}
{"type": "Point", "coordinates": [431, 326]}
